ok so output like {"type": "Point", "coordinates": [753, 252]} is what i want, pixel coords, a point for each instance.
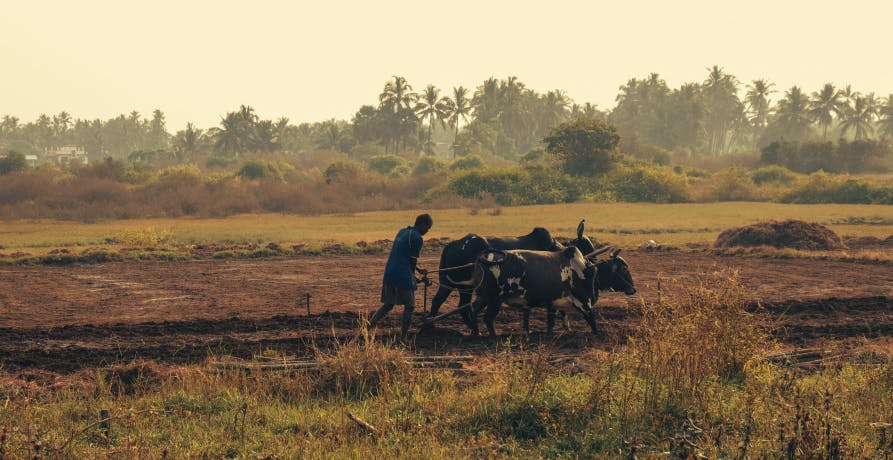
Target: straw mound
{"type": "Point", "coordinates": [795, 234]}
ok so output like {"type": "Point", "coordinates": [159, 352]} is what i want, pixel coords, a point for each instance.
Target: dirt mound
{"type": "Point", "coordinates": [795, 234]}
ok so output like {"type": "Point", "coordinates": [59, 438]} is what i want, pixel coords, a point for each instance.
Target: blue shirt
{"type": "Point", "coordinates": [398, 271]}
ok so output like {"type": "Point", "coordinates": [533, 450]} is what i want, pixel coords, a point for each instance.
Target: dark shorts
{"type": "Point", "coordinates": [396, 295]}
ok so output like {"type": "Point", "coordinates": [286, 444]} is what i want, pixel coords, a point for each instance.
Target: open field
{"type": "Point", "coordinates": [627, 224]}
{"type": "Point", "coordinates": [68, 318]}
{"type": "Point", "coordinates": [135, 338]}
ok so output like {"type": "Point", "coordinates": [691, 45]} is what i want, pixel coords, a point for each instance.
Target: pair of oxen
{"type": "Point", "coordinates": [530, 271]}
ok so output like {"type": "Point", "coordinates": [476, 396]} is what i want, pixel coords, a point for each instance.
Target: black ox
{"type": "Point", "coordinates": [466, 250]}
{"type": "Point", "coordinates": [564, 280]}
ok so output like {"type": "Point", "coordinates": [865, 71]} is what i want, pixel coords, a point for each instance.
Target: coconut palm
{"type": "Point", "coordinates": [793, 114]}
{"type": "Point", "coordinates": [758, 103]}
{"type": "Point", "coordinates": [885, 118]}
{"type": "Point", "coordinates": [397, 95]}
{"type": "Point", "coordinates": [824, 104]}
{"type": "Point", "coordinates": [554, 107]}
{"type": "Point", "coordinates": [459, 109]}
{"type": "Point", "coordinates": [487, 100]}
{"type": "Point", "coordinates": [859, 116]}
{"type": "Point", "coordinates": [433, 109]}
{"type": "Point", "coordinates": [720, 92]}
{"type": "Point", "coordinates": [187, 141]}
{"type": "Point", "coordinates": [233, 136]}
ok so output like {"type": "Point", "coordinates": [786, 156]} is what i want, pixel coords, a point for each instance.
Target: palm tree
{"type": "Point", "coordinates": [793, 114]}
{"type": "Point", "coordinates": [758, 103]}
{"type": "Point", "coordinates": [723, 107]}
{"type": "Point", "coordinates": [885, 118]}
{"type": "Point", "coordinates": [187, 141]}
{"type": "Point", "coordinates": [859, 116]}
{"type": "Point", "coordinates": [9, 125]}
{"type": "Point", "coordinates": [231, 137]}
{"type": "Point", "coordinates": [331, 135]}
{"type": "Point", "coordinates": [824, 105]}
{"type": "Point", "coordinates": [459, 109]}
{"type": "Point", "coordinates": [264, 136]}
{"type": "Point", "coordinates": [486, 100]}
{"type": "Point", "coordinates": [397, 95]}
{"type": "Point", "coordinates": [434, 109]}
{"type": "Point", "coordinates": [555, 104]}
{"type": "Point", "coordinates": [396, 104]}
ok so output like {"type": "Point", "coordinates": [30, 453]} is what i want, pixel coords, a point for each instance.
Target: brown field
{"type": "Point", "coordinates": [64, 319]}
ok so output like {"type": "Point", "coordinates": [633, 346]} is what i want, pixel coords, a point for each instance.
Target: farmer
{"type": "Point", "coordinates": [399, 283]}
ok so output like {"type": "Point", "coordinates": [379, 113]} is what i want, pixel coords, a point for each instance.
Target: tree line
{"type": "Point", "coordinates": [503, 117]}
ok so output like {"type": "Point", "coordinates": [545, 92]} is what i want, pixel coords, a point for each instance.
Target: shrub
{"type": "Point", "coordinates": [260, 169]}
{"type": "Point", "coordinates": [731, 185]}
{"type": "Point", "coordinates": [12, 162]}
{"type": "Point", "coordinates": [109, 168]}
{"type": "Point", "coordinates": [824, 188]}
{"type": "Point", "coordinates": [467, 163]}
{"type": "Point", "coordinates": [343, 171]}
{"type": "Point", "coordinates": [645, 184]}
{"type": "Point", "coordinates": [531, 184]}
{"type": "Point", "coordinates": [773, 174]}
{"type": "Point", "coordinates": [385, 164]}
{"type": "Point", "coordinates": [429, 165]}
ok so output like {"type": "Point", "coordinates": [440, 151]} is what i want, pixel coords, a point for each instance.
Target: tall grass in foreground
{"type": "Point", "coordinates": [691, 381]}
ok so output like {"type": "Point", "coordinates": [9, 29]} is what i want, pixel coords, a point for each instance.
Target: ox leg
{"type": "Point", "coordinates": [442, 294]}
{"type": "Point", "coordinates": [469, 315]}
{"type": "Point", "coordinates": [527, 321]}
{"type": "Point", "coordinates": [550, 319]}
{"type": "Point", "coordinates": [489, 316]}
{"type": "Point", "coordinates": [589, 316]}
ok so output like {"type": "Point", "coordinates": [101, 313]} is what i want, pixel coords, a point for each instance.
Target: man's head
{"type": "Point", "coordinates": [423, 223]}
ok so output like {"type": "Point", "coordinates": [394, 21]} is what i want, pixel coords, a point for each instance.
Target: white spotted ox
{"type": "Point", "coordinates": [562, 280]}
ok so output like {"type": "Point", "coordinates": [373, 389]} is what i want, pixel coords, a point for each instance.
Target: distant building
{"type": "Point", "coordinates": [67, 156]}
{"type": "Point", "coordinates": [31, 160]}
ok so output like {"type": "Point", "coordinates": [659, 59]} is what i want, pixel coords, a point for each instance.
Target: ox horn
{"type": "Point", "coordinates": [598, 252]}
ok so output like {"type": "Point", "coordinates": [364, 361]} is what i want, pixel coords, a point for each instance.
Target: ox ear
{"type": "Point", "coordinates": [615, 253]}
{"type": "Point", "coordinates": [580, 228]}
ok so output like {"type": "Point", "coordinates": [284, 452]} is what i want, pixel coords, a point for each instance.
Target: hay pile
{"type": "Point", "coordinates": [795, 234]}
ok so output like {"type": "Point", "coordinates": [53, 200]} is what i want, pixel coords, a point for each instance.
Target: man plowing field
{"type": "Point", "coordinates": [399, 283]}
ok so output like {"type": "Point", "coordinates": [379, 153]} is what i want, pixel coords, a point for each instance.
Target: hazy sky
{"type": "Point", "coordinates": [314, 60]}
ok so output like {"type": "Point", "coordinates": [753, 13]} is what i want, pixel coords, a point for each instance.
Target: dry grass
{"type": "Point", "coordinates": [627, 224]}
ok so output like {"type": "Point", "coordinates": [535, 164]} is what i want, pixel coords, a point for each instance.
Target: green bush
{"type": "Point", "coordinates": [385, 164]}
{"type": "Point", "coordinates": [655, 185]}
{"type": "Point", "coordinates": [219, 162]}
{"type": "Point", "coordinates": [732, 185]}
{"type": "Point", "coordinates": [516, 186]}
{"type": "Point", "coordinates": [260, 169]}
{"type": "Point", "coordinates": [467, 163]}
{"type": "Point", "coordinates": [821, 187]}
{"type": "Point", "coordinates": [429, 165]}
{"type": "Point", "coordinates": [773, 174]}
{"type": "Point", "coordinates": [12, 162]}
{"type": "Point", "coordinates": [342, 171]}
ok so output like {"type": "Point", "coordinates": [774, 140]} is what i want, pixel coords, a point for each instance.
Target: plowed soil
{"type": "Point", "coordinates": [64, 319]}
